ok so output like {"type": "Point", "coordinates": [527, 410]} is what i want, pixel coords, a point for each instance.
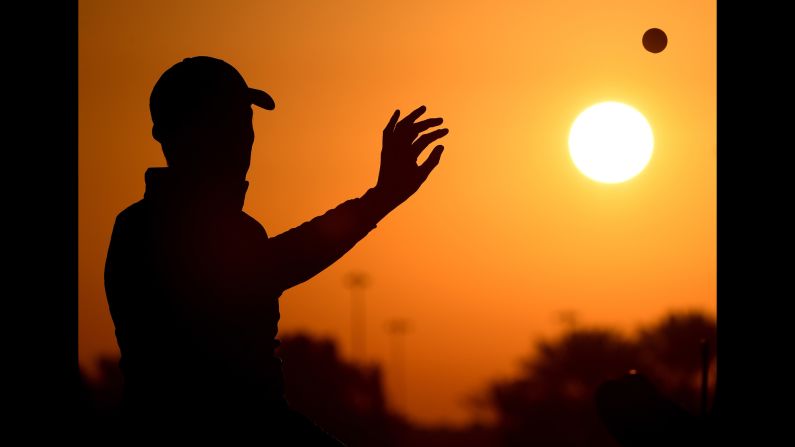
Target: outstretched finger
{"type": "Point", "coordinates": [425, 140]}
{"type": "Point", "coordinates": [390, 126]}
{"type": "Point", "coordinates": [421, 126]}
{"type": "Point", "coordinates": [409, 119]}
{"type": "Point", "coordinates": [429, 164]}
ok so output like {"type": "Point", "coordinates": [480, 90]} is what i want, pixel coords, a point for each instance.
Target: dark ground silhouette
{"type": "Point", "coordinates": [193, 282]}
{"type": "Point", "coordinates": [574, 391]}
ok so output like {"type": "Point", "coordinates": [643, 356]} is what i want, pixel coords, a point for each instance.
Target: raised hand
{"type": "Point", "coordinates": [399, 176]}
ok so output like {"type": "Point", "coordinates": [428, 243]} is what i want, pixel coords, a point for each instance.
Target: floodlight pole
{"type": "Point", "coordinates": [397, 329]}
{"type": "Point", "coordinates": [357, 282]}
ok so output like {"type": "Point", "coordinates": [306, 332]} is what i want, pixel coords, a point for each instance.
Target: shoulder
{"type": "Point", "coordinates": [133, 211]}
{"type": "Point", "coordinates": [130, 216]}
{"type": "Point", "coordinates": [129, 227]}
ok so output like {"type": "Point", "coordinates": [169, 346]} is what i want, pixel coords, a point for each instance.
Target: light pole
{"type": "Point", "coordinates": [357, 282]}
{"type": "Point", "coordinates": [397, 329]}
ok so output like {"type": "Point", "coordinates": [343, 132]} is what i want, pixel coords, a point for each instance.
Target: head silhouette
{"type": "Point", "coordinates": [202, 117]}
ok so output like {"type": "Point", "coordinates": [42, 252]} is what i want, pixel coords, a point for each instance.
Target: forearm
{"type": "Point", "coordinates": [376, 204]}
{"type": "Point", "coordinates": [306, 250]}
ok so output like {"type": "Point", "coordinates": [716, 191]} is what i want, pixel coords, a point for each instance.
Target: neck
{"type": "Point", "coordinates": [206, 177]}
{"type": "Point", "coordinates": [216, 192]}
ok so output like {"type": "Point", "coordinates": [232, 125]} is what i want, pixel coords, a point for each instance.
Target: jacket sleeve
{"type": "Point", "coordinates": [304, 251]}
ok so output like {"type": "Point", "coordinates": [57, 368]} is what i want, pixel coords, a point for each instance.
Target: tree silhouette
{"type": "Point", "coordinates": [552, 401]}
{"type": "Point", "coordinates": [670, 353]}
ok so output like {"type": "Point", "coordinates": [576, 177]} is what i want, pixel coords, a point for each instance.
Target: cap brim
{"type": "Point", "coordinates": [261, 99]}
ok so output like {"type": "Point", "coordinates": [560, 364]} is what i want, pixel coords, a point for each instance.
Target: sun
{"type": "Point", "coordinates": [611, 142]}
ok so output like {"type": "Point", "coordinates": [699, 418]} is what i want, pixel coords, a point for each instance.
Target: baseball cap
{"type": "Point", "coordinates": [200, 86]}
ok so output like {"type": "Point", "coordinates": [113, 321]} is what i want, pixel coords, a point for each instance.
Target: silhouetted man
{"type": "Point", "coordinates": [193, 282]}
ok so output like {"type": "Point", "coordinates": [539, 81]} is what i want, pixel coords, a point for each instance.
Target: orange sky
{"type": "Point", "coordinates": [505, 234]}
